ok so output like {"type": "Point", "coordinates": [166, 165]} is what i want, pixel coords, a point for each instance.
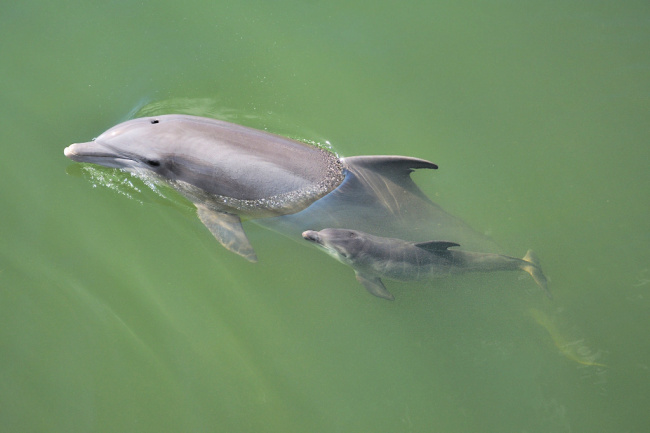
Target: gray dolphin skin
{"type": "Point", "coordinates": [374, 257]}
{"type": "Point", "coordinates": [228, 171]}
{"type": "Point", "coordinates": [232, 173]}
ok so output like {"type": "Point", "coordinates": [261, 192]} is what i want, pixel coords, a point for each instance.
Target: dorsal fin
{"type": "Point", "coordinates": [375, 169]}
{"type": "Point", "coordinates": [393, 164]}
{"type": "Point", "coordinates": [434, 246]}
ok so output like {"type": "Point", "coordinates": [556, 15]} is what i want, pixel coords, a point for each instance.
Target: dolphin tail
{"type": "Point", "coordinates": [532, 266]}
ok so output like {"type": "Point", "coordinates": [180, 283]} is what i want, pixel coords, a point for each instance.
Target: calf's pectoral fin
{"type": "Point", "coordinates": [374, 286]}
{"type": "Point", "coordinates": [227, 229]}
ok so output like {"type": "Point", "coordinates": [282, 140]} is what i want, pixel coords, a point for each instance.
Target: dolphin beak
{"type": "Point", "coordinates": [311, 236]}
{"type": "Point", "coordinates": [96, 153]}
{"type": "Point", "coordinates": [84, 152]}
{"type": "Point", "coordinates": [72, 151]}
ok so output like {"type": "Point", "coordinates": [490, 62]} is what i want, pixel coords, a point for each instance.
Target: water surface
{"type": "Point", "coordinates": [119, 312]}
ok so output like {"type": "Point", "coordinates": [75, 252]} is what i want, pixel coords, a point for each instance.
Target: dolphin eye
{"type": "Point", "coordinates": [352, 235]}
{"type": "Point", "coordinates": [152, 162]}
{"type": "Point", "coordinates": [154, 121]}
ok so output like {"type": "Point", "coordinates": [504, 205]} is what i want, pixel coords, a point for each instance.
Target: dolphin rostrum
{"type": "Point", "coordinates": [374, 257]}
{"type": "Point", "coordinates": [233, 173]}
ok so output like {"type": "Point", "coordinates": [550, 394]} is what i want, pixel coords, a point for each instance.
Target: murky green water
{"type": "Point", "coordinates": [119, 311]}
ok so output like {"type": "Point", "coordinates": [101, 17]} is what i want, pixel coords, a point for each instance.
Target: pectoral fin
{"type": "Point", "coordinates": [374, 286]}
{"type": "Point", "coordinates": [228, 230]}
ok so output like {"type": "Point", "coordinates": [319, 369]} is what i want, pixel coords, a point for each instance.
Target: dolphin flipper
{"type": "Point", "coordinates": [374, 286]}
{"type": "Point", "coordinates": [227, 229]}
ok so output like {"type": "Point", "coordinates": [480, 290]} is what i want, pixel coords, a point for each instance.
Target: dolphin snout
{"type": "Point", "coordinates": [88, 152]}
{"type": "Point", "coordinates": [71, 151]}
{"type": "Point", "coordinates": [311, 235]}
{"type": "Point", "coordinates": [98, 153]}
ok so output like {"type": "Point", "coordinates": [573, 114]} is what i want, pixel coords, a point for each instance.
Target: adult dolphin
{"type": "Point", "coordinates": [233, 173]}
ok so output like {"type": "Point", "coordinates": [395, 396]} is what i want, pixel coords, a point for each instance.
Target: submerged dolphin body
{"type": "Point", "coordinates": [233, 173]}
{"type": "Point", "coordinates": [374, 257]}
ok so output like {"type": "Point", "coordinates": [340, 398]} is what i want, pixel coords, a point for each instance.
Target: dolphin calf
{"type": "Point", "coordinates": [374, 257]}
{"type": "Point", "coordinates": [232, 173]}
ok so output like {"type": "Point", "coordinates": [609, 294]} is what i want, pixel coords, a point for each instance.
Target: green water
{"type": "Point", "coordinates": [120, 313]}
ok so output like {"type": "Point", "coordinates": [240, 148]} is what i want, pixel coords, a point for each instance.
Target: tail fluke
{"type": "Point", "coordinates": [533, 267]}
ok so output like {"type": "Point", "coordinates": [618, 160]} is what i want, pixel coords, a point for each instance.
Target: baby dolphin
{"type": "Point", "coordinates": [374, 257]}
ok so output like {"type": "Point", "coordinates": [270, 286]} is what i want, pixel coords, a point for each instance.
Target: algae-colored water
{"type": "Point", "coordinates": [120, 312]}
